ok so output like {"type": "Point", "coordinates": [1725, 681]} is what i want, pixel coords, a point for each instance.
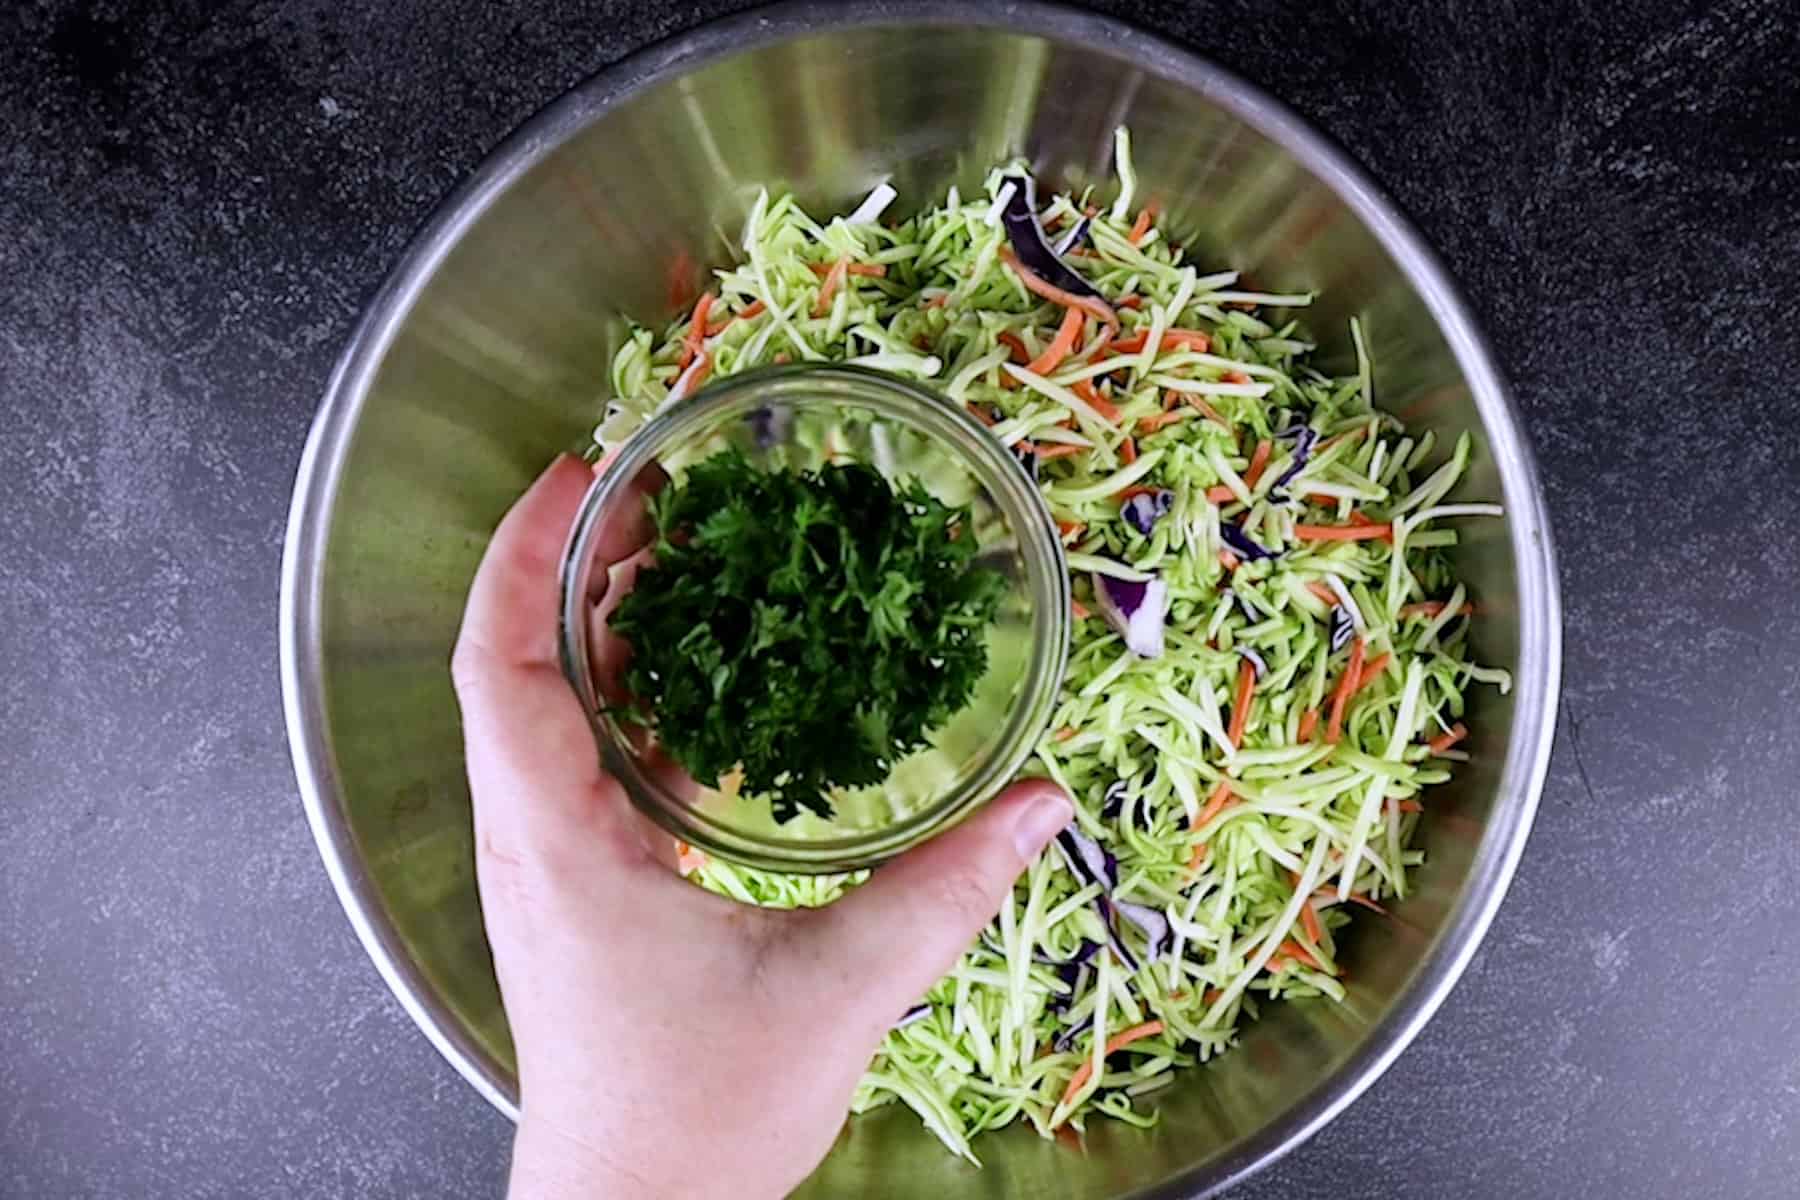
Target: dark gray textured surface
{"type": "Point", "coordinates": [195, 197]}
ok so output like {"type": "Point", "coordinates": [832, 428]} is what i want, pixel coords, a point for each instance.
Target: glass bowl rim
{"type": "Point", "coordinates": [950, 427]}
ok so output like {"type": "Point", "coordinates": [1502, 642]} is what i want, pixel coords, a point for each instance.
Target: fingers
{"type": "Point", "coordinates": [886, 943]}
{"type": "Point", "coordinates": [533, 771]}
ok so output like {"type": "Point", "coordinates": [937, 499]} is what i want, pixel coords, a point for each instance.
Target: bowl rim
{"type": "Point", "coordinates": [960, 436]}
{"type": "Point", "coordinates": [1536, 680]}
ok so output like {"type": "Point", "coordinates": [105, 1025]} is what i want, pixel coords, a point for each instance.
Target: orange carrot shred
{"type": "Point", "coordinates": [1240, 703]}
{"type": "Point", "coordinates": [1215, 803]}
{"type": "Point", "coordinates": [1322, 592]}
{"type": "Point", "coordinates": [1141, 489]}
{"type": "Point", "coordinates": [1015, 344]}
{"type": "Point", "coordinates": [1095, 307]}
{"type": "Point", "coordinates": [1070, 529]}
{"type": "Point", "coordinates": [1128, 451]}
{"type": "Point", "coordinates": [1309, 920]}
{"type": "Point", "coordinates": [755, 308]}
{"type": "Point", "coordinates": [1431, 608]}
{"type": "Point", "coordinates": [1334, 728]}
{"type": "Point", "coordinates": [690, 344]}
{"type": "Point", "coordinates": [1061, 344]}
{"type": "Point", "coordinates": [1371, 672]}
{"type": "Point", "coordinates": [1344, 533]}
{"type": "Point", "coordinates": [1228, 560]}
{"type": "Point", "coordinates": [1444, 741]}
{"type": "Point", "coordinates": [1132, 301]}
{"type": "Point", "coordinates": [1058, 450]}
{"type": "Point", "coordinates": [1079, 610]}
{"type": "Point", "coordinates": [1258, 463]}
{"type": "Point", "coordinates": [1309, 721]}
{"type": "Point", "coordinates": [834, 279]}
{"type": "Point", "coordinates": [1220, 493]}
{"type": "Point", "coordinates": [1065, 733]}
{"type": "Point", "coordinates": [1087, 391]}
{"type": "Point", "coordinates": [1406, 806]}
{"type": "Point", "coordinates": [1115, 1043]}
{"type": "Point", "coordinates": [1141, 226]}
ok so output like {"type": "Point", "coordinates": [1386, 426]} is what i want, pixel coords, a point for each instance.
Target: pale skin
{"type": "Point", "coordinates": [670, 1042]}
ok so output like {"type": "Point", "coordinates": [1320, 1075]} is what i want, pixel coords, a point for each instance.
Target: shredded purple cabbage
{"type": "Point", "coordinates": [1256, 661]}
{"type": "Point", "coordinates": [1145, 509]}
{"type": "Point", "coordinates": [1241, 545]}
{"type": "Point", "coordinates": [1114, 799]}
{"type": "Point", "coordinates": [1306, 438]}
{"type": "Point", "coordinates": [1091, 861]}
{"type": "Point", "coordinates": [1152, 921]}
{"type": "Point", "coordinates": [1028, 241]}
{"type": "Point", "coordinates": [1066, 1039]}
{"type": "Point", "coordinates": [1342, 628]}
{"type": "Point", "coordinates": [1136, 610]}
{"type": "Point", "coordinates": [769, 425]}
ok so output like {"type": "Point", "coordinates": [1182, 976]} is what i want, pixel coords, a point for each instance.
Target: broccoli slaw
{"type": "Point", "coordinates": [1269, 650]}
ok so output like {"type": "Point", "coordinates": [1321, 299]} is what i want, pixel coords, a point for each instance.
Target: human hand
{"type": "Point", "coordinates": [671, 1042]}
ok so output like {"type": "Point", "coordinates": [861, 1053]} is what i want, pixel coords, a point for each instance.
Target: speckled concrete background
{"type": "Point", "coordinates": [194, 198]}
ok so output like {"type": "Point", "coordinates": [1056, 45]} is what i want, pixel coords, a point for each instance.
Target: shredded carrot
{"type": "Point", "coordinates": [1220, 493]}
{"type": "Point", "coordinates": [1060, 345]}
{"type": "Point", "coordinates": [938, 301]}
{"type": "Point", "coordinates": [1309, 721]}
{"type": "Point", "coordinates": [1087, 391]}
{"type": "Point", "coordinates": [1367, 902]}
{"type": "Point", "coordinates": [1079, 610]}
{"type": "Point", "coordinates": [1334, 728]}
{"type": "Point", "coordinates": [834, 279]}
{"type": "Point", "coordinates": [872, 270]}
{"type": "Point", "coordinates": [1016, 344]}
{"type": "Point", "coordinates": [1444, 741]}
{"type": "Point", "coordinates": [1153, 423]}
{"type": "Point", "coordinates": [1215, 803]}
{"type": "Point", "coordinates": [1128, 451]}
{"type": "Point", "coordinates": [1371, 672]}
{"type": "Point", "coordinates": [1208, 411]}
{"type": "Point", "coordinates": [1344, 533]}
{"type": "Point", "coordinates": [1299, 953]}
{"type": "Point", "coordinates": [1192, 339]}
{"type": "Point", "coordinates": [1236, 376]}
{"type": "Point", "coordinates": [981, 414]}
{"type": "Point", "coordinates": [1058, 450]}
{"type": "Point", "coordinates": [1132, 301]}
{"type": "Point", "coordinates": [1240, 703]}
{"type": "Point", "coordinates": [755, 308]}
{"type": "Point", "coordinates": [1141, 489]}
{"type": "Point", "coordinates": [690, 344]}
{"type": "Point", "coordinates": [1431, 608]}
{"type": "Point", "coordinates": [1070, 529]}
{"type": "Point", "coordinates": [784, 357]}
{"type": "Point", "coordinates": [1141, 226]}
{"type": "Point", "coordinates": [1322, 592]}
{"type": "Point", "coordinates": [1197, 859]}
{"type": "Point", "coordinates": [1228, 560]}
{"type": "Point", "coordinates": [1309, 920]}
{"type": "Point", "coordinates": [1115, 1043]}
{"type": "Point", "coordinates": [1259, 462]}
{"type": "Point", "coordinates": [1095, 307]}
{"type": "Point", "coordinates": [1406, 806]}
{"type": "Point", "coordinates": [1065, 733]}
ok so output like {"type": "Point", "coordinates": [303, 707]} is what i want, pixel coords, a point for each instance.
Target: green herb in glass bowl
{"type": "Point", "coordinates": [809, 628]}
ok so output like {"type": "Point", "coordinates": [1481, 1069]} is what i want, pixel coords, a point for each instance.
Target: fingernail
{"type": "Point", "coordinates": [1046, 812]}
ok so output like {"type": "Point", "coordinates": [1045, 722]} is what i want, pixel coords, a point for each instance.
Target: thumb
{"type": "Point", "coordinates": [888, 941]}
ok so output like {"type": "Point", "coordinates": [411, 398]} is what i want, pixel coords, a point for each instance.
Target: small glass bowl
{"type": "Point", "coordinates": [797, 418]}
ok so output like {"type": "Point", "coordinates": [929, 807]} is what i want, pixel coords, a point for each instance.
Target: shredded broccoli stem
{"type": "Point", "coordinates": [1311, 822]}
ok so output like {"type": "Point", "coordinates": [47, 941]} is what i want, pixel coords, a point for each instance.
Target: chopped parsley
{"type": "Point", "coordinates": [809, 628]}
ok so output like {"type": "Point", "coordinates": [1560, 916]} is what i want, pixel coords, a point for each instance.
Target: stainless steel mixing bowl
{"type": "Point", "coordinates": [486, 352]}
